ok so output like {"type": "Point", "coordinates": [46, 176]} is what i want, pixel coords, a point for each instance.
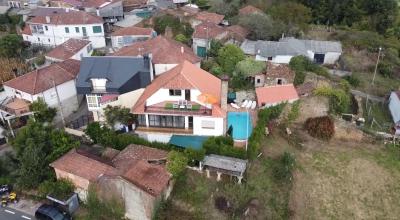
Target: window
{"type": "Point", "coordinates": [279, 82]}
{"type": "Point", "coordinates": [206, 124]}
{"type": "Point", "coordinates": [269, 58]}
{"type": "Point", "coordinates": [37, 29]}
{"type": "Point", "coordinates": [66, 30]}
{"type": "Point", "coordinates": [46, 28]}
{"type": "Point", "coordinates": [166, 121]}
{"type": "Point", "coordinates": [175, 92]}
{"type": "Point", "coordinates": [142, 120]}
{"type": "Point", "coordinates": [258, 80]}
{"type": "Point", "coordinates": [77, 29]}
{"type": "Point", "coordinates": [93, 101]}
{"type": "Point", "coordinates": [97, 29]}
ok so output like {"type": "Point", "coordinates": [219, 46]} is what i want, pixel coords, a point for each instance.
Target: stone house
{"type": "Point", "coordinates": [275, 74]}
{"type": "Point", "coordinates": [136, 176]}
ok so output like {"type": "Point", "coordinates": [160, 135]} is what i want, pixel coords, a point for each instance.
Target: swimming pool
{"type": "Point", "coordinates": [241, 125]}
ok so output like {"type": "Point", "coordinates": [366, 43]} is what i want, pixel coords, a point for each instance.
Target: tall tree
{"type": "Point", "coordinates": [228, 57]}
{"type": "Point", "coordinates": [10, 45]}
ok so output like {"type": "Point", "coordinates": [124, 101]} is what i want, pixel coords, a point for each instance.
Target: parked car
{"type": "Point", "coordinates": [4, 189]}
{"type": "Point", "coordinates": [48, 212]}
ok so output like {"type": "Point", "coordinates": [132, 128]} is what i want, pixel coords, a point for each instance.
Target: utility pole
{"type": "Point", "coordinates": [373, 78]}
{"type": "Point", "coordinates": [59, 103]}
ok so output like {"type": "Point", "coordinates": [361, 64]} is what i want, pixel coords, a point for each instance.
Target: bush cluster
{"type": "Point", "coordinates": [223, 146]}
{"type": "Point", "coordinates": [339, 100]}
{"type": "Point", "coordinates": [353, 80]}
{"type": "Point", "coordinates": [320, 127]}
{"type": "Point", "coordinates": [301, 64]}
{"type": "Point", "coordinates": [264, 116]}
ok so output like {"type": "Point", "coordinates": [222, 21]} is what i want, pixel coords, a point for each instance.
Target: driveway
{"type": "Point", "coordinates": [8, 213]}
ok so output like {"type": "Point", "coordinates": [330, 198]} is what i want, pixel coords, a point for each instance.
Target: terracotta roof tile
{"type": "Point", "coordinates": [279, 71]}
{"type": "Point", "coordinates": [208, 29]}
{"type": "Point", "coordinates": [184, 76]}
{"type": "Point", "coordinates": [249, 9]}
{"type": "Point", "coordinates": [134, 163]}
{"type": "Point", "coordinates": [40, 80]}
{"type": "Point", "coordinates": [209, 16]}
{"type": "Point", "coordinates": [67, 49]}
{"type": "Point", "coordinates": [127, 31]}
{"type": "Point", "coordinates": [83, 166]}
{"type": "Point", "coordinates": [275, 94]}
{"type": "Point", "coordinates": [163, 50]}
{"type": "Point", "coordinates": [72, 17]}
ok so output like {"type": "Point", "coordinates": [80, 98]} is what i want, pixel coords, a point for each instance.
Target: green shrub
{"type": "Point", "coordinates": [339, 100]}
{"type": "Point", "coordinates": [40, 60]}
{"type": "Point", "coordinates": [303, 64]}
{"type": "Point", "coordinates": [223, 146]}
{"type": "Point", "coordinates": [299, 78]}
{"type": "Point", "coordinates": [320, 127]}
{"type": "Point", "coordinates": [176, 163]}
{"type": "Point", "coordinates": [282, 170]}
{"type": "Point", "coordinates": [98, 208]}
{"type": "Point", "coordinates": [194, 155]}
{"type": "Point", "coordinates": [385, 69]}
{"type": "Point", "coordinates": [294, 112]}
{"type": "Point", "coordinates": [61, 189]}
{"type": "Point", "coordinates": [353, 80]}
{"type": "Point", "coordinates": [181, 38]}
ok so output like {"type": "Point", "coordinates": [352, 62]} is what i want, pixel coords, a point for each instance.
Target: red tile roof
{"type": "Point", "coordinates": [279, 71]}
{"type": "Point", "coordinates": [184, 76]}
{"type": "Point", "coordinates": [209, 16]}
{"type": "Point", "coordinates": [72, 17]}
{"type": "Point", "coordinates": [163, 50]}
{"type": "Point", "coordinates": [249, 9]}
{"type": "Point", "coordinates": [276, 94]}
{"type": "Point", "coordinates": [83, 166]}
{"type": "Point", "coordinates": [67, 49]}
{"type": "Point", "coordinates": [40, 80]}
{"type": "Point", "coordinates": [134, 164]}
{"type": "Point", "coordinates": [209, 30]}
{"type": "Point", "coordinates": [127, 31]}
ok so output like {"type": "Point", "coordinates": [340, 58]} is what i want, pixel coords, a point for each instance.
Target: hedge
{"type": "Point", "coordinates": [264, 116]}
{"type": "Point", "coordinates": [223, 146]}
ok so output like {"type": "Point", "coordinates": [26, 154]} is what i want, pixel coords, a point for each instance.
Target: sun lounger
{"type": "Point", "coordinates": [249, 104]}
{"type": "Point", "coordinates": [235, 106]}
{"type": "Point", "coordinates": [244, 104]}
{"type": "Point", "coordinates": [253, 105]}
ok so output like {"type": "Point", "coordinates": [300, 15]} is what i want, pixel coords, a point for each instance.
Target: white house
{"type": "Point", "coordinates": [165, 53]}
{"type": "Point", "coordinates": [112, 81]}
{"type": "Point", "coordinates": [394, 108]}
{"type": "Point", "coordinates": [53, 30]}
{"type": "Point", "coordinates": [174, 104]}
{"type": "Point", "coordinates": [55, 84]}
{"type": "Point", "coordinates": [129, 35]}
{"type": "Point", "coordinates": [282, 51]}
{"type": "Point", "coordinates": [70, 49]}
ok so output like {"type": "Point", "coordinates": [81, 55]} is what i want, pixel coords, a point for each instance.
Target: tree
{"type": "Point", "coordinates": [11, 45]}
{"type": "Point", "coordinates": [181, 38]}
{"type": "Point", "coordinates": [250, 67]}
{"type": "Point", "coordinates": [229, 8]}
{"type": "Point", "coordinates": [11, 68]}
{"type": "Point", "coordinates": [178, 27]}
{"type": "Point", "coordinates": [228, 57]}
{"type": "Point", "coordinates": [117, 114]}
{"type": "Point", "coordinates": [176, 164]}
{"type": "Point", "coordinates": [61, 189]}
{"type": "Point", "coordinates": [36, 146]}
{"type": "Point", "coordinates": [292, 14]}
{"type": "Point", "coordinates": [262, 27]}
{"type": "Point", "coordinates": [43, 113]}
{"type": "Point", "coordinates": [215, 45]}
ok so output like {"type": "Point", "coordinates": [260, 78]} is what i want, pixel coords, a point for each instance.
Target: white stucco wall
{"type": "Point", "coordinates": [267, 105]}
{"type": "Point", "coordinates": [160, 68]}
{"type": "Point", "coordinates": [163, 95]}
{"type": "Point", "coordinates": [115, 44]}
{"type": "Point", "coordinates": [216, 131]}
{"type": "Point", "coordinates": [56, 35]}
{"type": "Point", "coordinates": [276, 59]}
{"type": "Point", "coordinates": [152, 137]}
{"type": "Point", "coordinates": [198, 42]}
{"type": "Point", "coordinates": [394, 107]}
{"type": "Point", "coordinates": [331, 58]}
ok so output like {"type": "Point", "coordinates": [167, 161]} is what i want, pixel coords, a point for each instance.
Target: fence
{"type": "Point", "coordinates": [80, 122]}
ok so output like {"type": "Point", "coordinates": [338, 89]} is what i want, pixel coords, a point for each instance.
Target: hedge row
{"type": "Point", "coordinates": [264, 116]}
{"type": "Point", "coordinates": [223, 146]}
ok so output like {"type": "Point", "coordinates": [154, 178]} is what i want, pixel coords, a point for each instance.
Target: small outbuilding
{"type": "Point", "coordinates": [224, 165]}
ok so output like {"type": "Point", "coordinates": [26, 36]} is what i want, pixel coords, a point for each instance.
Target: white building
{"type": "Point", "coordinates": [394, 108]}
{"type": "Point", "coordinates": [55, 29]}
{"type": "Point", "coordinates": [70, 49]}
{"type": "Point", "coordinates": [129, 35]}
{"type": "Point", "coordinates": [173, 104]}
{"type": "Point", "coordinates": [55, 84]}
{"type": "Point", "coordinates": [282, 51]}
{"type": "Point", "coordinates": [165, 53]}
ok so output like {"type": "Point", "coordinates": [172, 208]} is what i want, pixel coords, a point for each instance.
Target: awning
{"type": "Point", "coordinates": [188, 141]}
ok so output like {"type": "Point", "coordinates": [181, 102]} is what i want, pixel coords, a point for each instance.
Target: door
{"type": "Point", "coordinates": [190, 123]}
{"type": "Point", "coordinates": [201, 51]}
{"type": "Point", "coordinates": [84, 31]}
{"type": "Point", "coordinates": [319, 58]}
{"type": "Point", "coordinates": [187, 94]}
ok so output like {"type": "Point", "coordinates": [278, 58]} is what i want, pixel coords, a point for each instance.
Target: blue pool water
{"type": "Point", "coordinates": [240, 122]}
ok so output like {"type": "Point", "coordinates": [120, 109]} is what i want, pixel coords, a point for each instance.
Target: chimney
{"type": "Point", "coordinates": [182, 49]}
{"type": "Point", "coordinates": [224, 92]}
{"type": "Point", "coordinates": [47, 19]}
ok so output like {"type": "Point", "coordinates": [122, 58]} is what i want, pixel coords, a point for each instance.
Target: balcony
{"type": "Point", "coordinates": [15, 106]}
{"type": "Point", "coordinates": [178, 108]}
{"type": "Point", "coordinates": [165, 130]}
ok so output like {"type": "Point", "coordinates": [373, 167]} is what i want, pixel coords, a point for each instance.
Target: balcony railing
{"type": "Point", "coordinates": [178, 111]}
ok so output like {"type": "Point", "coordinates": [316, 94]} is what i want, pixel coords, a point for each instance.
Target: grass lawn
{"type": "Point", "coordinates": [169, 106]}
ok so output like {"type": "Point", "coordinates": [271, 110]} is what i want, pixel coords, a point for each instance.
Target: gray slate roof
{"type": "Point", "coordinates": [225, 163]}
{"type": "Point", "coordinates": [289, 46]}
{"type": "Point", "coordinates": [123, 74]}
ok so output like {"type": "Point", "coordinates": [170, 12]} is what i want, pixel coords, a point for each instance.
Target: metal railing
{"type": "Point", "coordinates": [178, 111]}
